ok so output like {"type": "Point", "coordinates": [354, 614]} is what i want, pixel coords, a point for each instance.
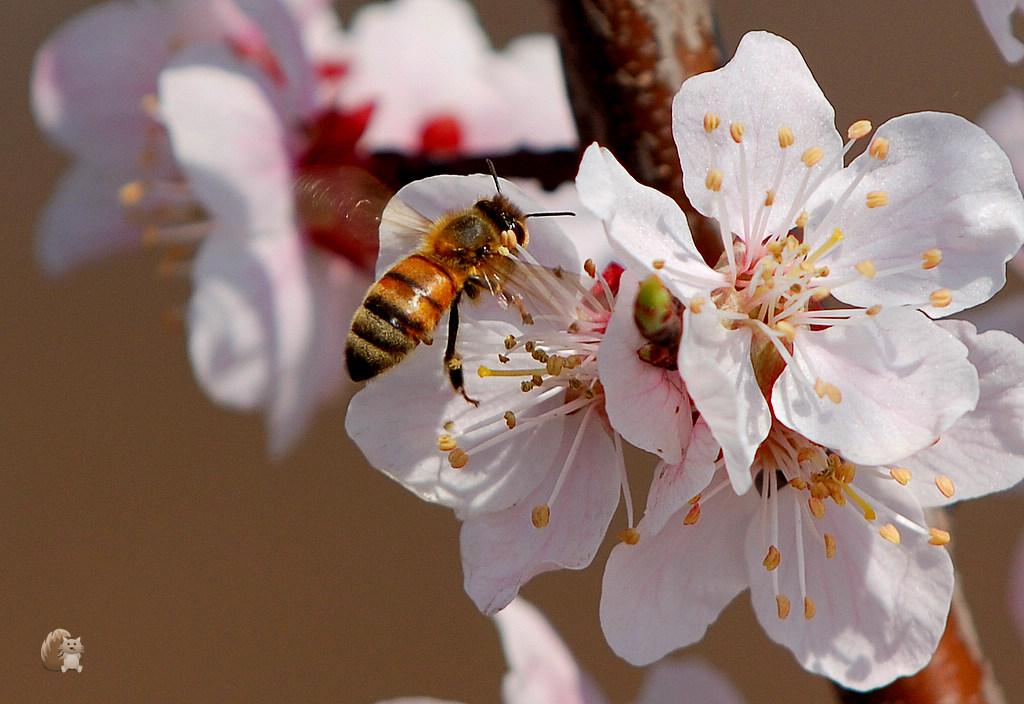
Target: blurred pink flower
{"type": "Point", "coordinates": [542, 670]}
{"type": "Point", "coordinates": [998, 18]}
{"type": "Point", "coordinates": [190, 121]}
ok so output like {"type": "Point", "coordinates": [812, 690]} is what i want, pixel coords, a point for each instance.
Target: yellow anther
{"type": "Point", "coordinates": [941, 297]}
{"type": "Point", "coordinates": [824, 389]}
{"type": "Point", "coordinates": [783, 605]}
{"type": "Point", "coordinates": [458, 458]}
{"type": "Point", "coordinates": [449, 425]}
{"type": "Point", "coordinates": [446, 443]}
{"type": "Point", "coordinates": [694, 500]}
{"type": "Point", "coordinates": [772, 559]}
{"type": "Point", "coordinates": [817, 507]}
{"type": "Point", "coordinates": [847, 472]}
{"type": "Point", "coordinates": [526, 386]}
{"type": "Point", "coordinates": [658, 264]}
{"type": "Point", "coordinates": [901, 474]}
{"type": "Point", "coordinates": [540, 516]}
{"type": "Point", "coordinates": [873, 310]}
{"type": "Point", "coordinates": [858, 129]}
{"type": "Point", "coordinates": [809, 608]}
{"type": "Point", "coordinates": [510, 419]}
{"type": "Point", "coordinates": [714, 180]}
{"type": "Point", "coordinates": [554, 365]}
{"type": "Point", "coordinates": [769, 199]}
{"type": "Point", "coordinates": [889, 532]}
{"type": "Point", "coordinates": [812, 156]}
{"type": "Point", "coordinates": [830, 546]}
{"type": "Point", "coordinates": [866, 268]}
{"type": "Point", "coordinates": [945, 485]}
{"type": "Point", "coordinates": [787, 329]}
{"type": "Point", "coordinates": [931, 259]}
{"type": "Point", "coordinates": [938, 537]}
{"type": "Point", "coordinates": [510, 342]}
{"type": "Point", "coordinates": [821, 292]}
{"type": "Point", "coordinates": [692, 515]}
{"type": "Point", "coordinates": [786, 137]}
{"type": "Point", "coordinates": [879, 148]}
{"type": "Point", "coordinates": [711, 122]}
{"type": "Point", "coordinates": [590, 268]}
{"type": "Point", "coordinates": [696, 304]}
{"type": "Point", "coordinates": [150, 105]}
{"type": "Point", "coordinates": [736, 131]}
{"type": "Point", "coordinates": [131, 193]}
{"type": "Point", "coordinates": [629, 536]}
{"type": "Point", "coordinates": [798, 483]}
{"type": "Point", "coordinates": [802, 219]}
{"type": "Point", "coordinates": [876, 199]}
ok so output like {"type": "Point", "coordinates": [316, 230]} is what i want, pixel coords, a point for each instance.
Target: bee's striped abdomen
{"type": "Point", "coordinates": [399, 311]}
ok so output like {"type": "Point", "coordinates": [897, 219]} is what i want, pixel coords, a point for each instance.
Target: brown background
{"type": "Point", "coordinates": [147, 521]}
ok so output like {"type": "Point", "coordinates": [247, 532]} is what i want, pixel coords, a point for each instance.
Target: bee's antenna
{"type": "Point", "coordinates": [494, 173]}
{"type": "Point", "coordinates": [549, 214]}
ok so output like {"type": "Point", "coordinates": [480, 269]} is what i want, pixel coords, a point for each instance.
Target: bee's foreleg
{"type": "Point", "coordinates": [452, 361]}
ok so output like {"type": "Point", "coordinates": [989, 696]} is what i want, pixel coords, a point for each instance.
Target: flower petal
{"type": "Point", "coordinates": [998, 18]}
{"type": "Point", "coordinates": [229, 138]}
{"type": "Point", "coordinates": [691, 681]}
{"type": "Point", "coordinates": [84, 219]}
{"type": "Point", "coordinates": [950, 188]}
{"type": "Point", "coordinates": [647, 405]}
{"type": "Point", "coordinates": [903, 381]}
{"type": "Point", "coordinates": [663, 592]}
{"type": "Point", "coordinates": [715, 364]}
{"type": "Point", "coordinates": [766, 86]}
{"type": "Point", "coordinates": [880, 608]}
{"type": "Point", "coordinates": [541, 669]}
{"type": "Point", "coordinates": [417, 397]}
{"type": "Point", "coordinates": [501, 551]}
{"type": "Point", "coordinates": [675, 486]}
{"type": "Point", "coordinates": [644, 225]}
{"type": "Point", "coordinates": [983, 451]}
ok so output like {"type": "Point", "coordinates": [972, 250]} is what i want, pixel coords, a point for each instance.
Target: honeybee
{"type": "Point", "coordinates": [463, 252]}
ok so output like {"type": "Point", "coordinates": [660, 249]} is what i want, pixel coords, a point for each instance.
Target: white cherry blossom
{"type": "Point", "coordinates": [532, 470]}
{"type": "Point", "coordinates": [810, 353]}
{"type": "Point", "coordinates": [998, 18]}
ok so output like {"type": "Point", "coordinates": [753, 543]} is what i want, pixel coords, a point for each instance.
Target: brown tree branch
{"type": "Point", "coordinates": [624, 61]}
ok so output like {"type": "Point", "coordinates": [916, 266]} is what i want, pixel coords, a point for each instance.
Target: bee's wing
{"type": "Point", "coordinates": [402, 229]}
{"type": "Point", "coordinates": [531, 288]}
{"type": "Point", "coordinates": [341, 209]}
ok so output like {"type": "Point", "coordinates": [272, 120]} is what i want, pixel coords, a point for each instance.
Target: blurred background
{"type": "Point", "coordinates": [148, 521]}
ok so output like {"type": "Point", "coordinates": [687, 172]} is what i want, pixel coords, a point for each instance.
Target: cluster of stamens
{"type": "Point", "coordinates": [557, 361]}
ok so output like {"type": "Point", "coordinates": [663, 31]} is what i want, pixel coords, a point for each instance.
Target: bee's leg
{"type": "Point", "coordinates": [452, 361]}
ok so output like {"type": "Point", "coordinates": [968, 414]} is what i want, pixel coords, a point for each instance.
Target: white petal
{"type": "Point", "coordinates": [903, 381]}
{"type": "Point", "coordinates": [229, 138]}
{"type": "Point", "coordinates": [950, 188]}
{"type": "Point", "coordinates": [1002, 120]}
{"type": "Point", "coordinates": [765, 86]}
{"type": "Point", "coordinates": [584, 228]}
{"type": "Point", "coordinates": [501, 551]}
{"type": "Point", "coordinates": [715, 364]}
{"type": "Point", "coordinates": [663, 592]}
{"type": "Point", "coordinates": [541, 670]}
{"type": "Point", "coordinates": [997, 16]}
{"type": "Point", "coordinates": [84, 219]}
{"type": "Point", "coordinates": [880, 608]}
{"type": "Point", "coordinates": [417, 397]}
{"type": "Point", "coordinates": [90, 77]}
{"type": "Point", "coordinates": [644, 225]}
{"type": "Point", "coordinates": [674, 486]}
{"type": "Point", "coordinates": [648, 406]}
{"type": "Point", "coordinates": [691, 681]}
{"type": "Point", "coordinates": [230, 324]}
{"type": "Point", "coordinates": [984, 451]}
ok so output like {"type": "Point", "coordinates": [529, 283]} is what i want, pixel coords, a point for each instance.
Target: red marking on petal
{"type": "Point", "coordinates": [333, 135]}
